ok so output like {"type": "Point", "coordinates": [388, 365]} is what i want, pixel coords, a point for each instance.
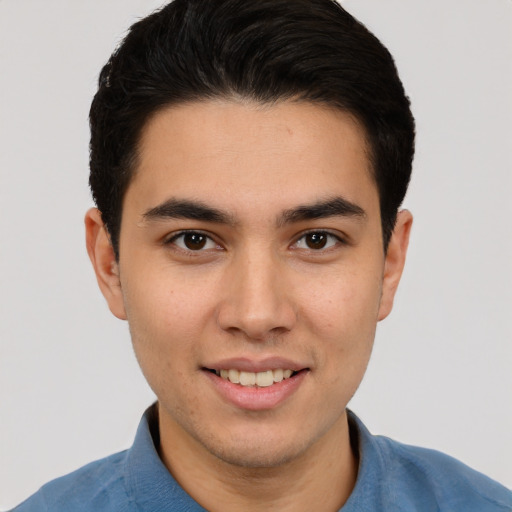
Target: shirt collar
{"type": "Point", "coordinates": [148, 481]}
{"type": "Point", "coordinates": [152, 487]}
{"type": "Point", "coordinates": [369, 484]}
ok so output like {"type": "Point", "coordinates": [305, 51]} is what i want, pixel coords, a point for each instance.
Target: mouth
{"type": "Point", "coordinates": [256, 386]}
{"type": "Point", "coordinates": [262, 379]}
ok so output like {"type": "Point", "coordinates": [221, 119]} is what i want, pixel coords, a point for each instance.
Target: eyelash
{"type": "Point", "coordinates": [172, 240]}
{"type": "Point", "coordinates": [208, 239]}
{"type": "Point", "coordinates": [338, 240]}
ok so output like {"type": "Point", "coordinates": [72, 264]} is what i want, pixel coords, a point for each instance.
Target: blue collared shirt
{"type": "Point", "coordinates": [392, 477]}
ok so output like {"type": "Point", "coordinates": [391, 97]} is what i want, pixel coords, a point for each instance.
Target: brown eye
{"type": "Point", "coordinates": [316, 240]}
{"type": "Point", "coordinates": [194, 241]}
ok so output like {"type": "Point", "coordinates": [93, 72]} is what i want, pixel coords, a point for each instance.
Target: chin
{"type": "Point", "coordinates": [256, 455]}
{"type": "Point", "coordinates": [259, 448]}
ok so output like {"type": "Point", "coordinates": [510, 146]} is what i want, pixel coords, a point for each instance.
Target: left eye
{"type": "Point", "coordinates": [193, 241]}
{"type": "Point", "coordinates": [316, 240]}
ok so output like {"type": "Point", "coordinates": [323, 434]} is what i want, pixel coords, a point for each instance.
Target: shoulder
{"type": "Point", "coordinates": [97, 487]}
{"type": "Point", "coordinates": [402, 478]}
{"type": "Point", "coordinates": [435, 476]}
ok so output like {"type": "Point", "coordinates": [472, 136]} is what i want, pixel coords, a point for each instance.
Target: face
{"type": "Point", "coordinates": [252, 274]}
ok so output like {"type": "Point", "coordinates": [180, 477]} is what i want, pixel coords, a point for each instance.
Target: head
{"type": "Point", "coordinates": [266, 52]}
{"type": "Point", "coordinates": [248, 160]}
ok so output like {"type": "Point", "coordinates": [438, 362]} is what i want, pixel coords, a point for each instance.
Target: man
{"type": "Point", "coordinates": [248, 161]}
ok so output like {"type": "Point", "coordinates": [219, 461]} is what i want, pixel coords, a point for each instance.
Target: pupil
{"type": "Point", "coordinates": [316, 240]}
{"type": "Point", "coordinates": [195, 241]}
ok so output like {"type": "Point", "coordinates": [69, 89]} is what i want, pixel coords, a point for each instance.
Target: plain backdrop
{"type": "Point", "coordinates": [440, 375]}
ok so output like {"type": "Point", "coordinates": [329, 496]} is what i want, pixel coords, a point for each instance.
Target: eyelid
{"type": "Point", "coordinates": [340, 238]}
{"type": "Point", "coordinates": [171, 239]}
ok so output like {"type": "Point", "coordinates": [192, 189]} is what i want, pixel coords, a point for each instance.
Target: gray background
{"type": "Point", "coordinates": [70, 388]}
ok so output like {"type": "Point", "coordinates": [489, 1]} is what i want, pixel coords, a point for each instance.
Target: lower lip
{"type": "Point", "coordinates": [256, 398]}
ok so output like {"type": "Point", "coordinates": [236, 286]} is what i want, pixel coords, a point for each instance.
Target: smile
{"type": "Point", "coordinates": [256, 385]}
{"type": "Point", "coordinates": [251, 379]}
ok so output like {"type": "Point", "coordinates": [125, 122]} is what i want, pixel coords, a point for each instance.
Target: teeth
{"type": "Point", "coordinates": [278, 375]}
{"type": "Point", "coordinates": [265, 379]}
{"type": "Point", "coordinates": [260, 379]}
{"type": "Point", "coordinates": [247, 378]}
{"type": "Point", "coordinates": [234, 376]}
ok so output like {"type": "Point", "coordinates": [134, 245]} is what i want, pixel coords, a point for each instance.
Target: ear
{"type": "Point", "coordinates": [104, 262]}
{"type": "Point", "coordinates": [395, 261]}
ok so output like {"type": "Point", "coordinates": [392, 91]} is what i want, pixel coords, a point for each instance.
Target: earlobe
{"type": "Point", "coordinates": [395, 261]}
{"type": "Point", "coordinates": [104, 262]}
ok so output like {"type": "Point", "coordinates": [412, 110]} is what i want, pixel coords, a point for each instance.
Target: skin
{"type": "Point", "coordinates": [259, 288]}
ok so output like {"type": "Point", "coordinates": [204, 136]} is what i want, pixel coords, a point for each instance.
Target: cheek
{"type": "Point", "coordinates": [165, 328]}
{"type": "Point", "coordinates": [343, 318]}
{"type": "Point", "coordinates": [344, 304]}
{"type": "Point", "coordinates": [163, 322]}
{"type": "Point", "coordinates": [167, 301]}
{"type": "Point", "coordinates": [171, 318]}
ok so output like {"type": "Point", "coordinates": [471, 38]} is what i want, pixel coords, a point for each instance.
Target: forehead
{"type": "Point", "coordinates": [245, 153]}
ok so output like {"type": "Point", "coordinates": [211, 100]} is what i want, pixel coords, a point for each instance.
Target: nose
{"type": "Point", "coordinates": [257, 299]}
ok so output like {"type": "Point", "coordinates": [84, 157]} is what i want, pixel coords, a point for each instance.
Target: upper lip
{"type": "Point", "coordinates": [252, 365]}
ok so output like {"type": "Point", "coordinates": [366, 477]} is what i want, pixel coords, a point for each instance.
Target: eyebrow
{"type": "Point", "coordinates": [197, 210]}
{"type": "Point", "coordinates": [334, 207]}
{"type": "Point", "coordinates": [186, 209]}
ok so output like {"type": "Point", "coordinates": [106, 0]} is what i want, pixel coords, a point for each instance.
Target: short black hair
{"type": "Point", "coordinates": [265, 51]}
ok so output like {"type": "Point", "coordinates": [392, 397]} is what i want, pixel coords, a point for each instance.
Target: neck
{"type": "Point", "coordinates": [320, 478]}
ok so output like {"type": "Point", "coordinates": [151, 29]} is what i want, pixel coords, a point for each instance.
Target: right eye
{"type": "Point", "coordinates": [193, 241]}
